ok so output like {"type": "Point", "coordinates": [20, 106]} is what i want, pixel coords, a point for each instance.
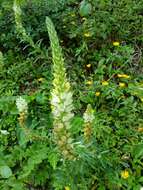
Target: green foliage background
{"type": "Point", "coordinates": [86, 30]}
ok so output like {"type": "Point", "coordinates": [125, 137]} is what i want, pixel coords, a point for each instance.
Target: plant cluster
{"type": "Point", "coordinates": [71, 104]}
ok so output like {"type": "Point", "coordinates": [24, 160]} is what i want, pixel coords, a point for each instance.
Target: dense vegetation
{"type": "Point", "coordinates": [71, 102]}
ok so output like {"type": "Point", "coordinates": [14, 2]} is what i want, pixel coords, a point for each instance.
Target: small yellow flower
{"type": "Point", "coordinates": [123, 76]}
{"type": "Point", "coordinates": [140, 129]}
{"type": "Point", "coordinates": [67, 188]}
{"type": "Point", "coordinates": [116, 43]}
{"type": "Point", "coordinates": [125, 174]}
{"type": "Point", "coordinates": [105, 83]}
{"type": "Point", "coordinates": [87, 34]}
{"type": "Point", "coordinates": [97, 93]}
{"type": "Point", "coordinates": [40, 79]}
{"type": "Point", "coordinates": [141, 99]}
{"type": "Point", "coordinates": [89, 82]}
{"type": "Point", "coordinates": [88, 65]}
{"type": "Point", "coordinates": [122, 84]}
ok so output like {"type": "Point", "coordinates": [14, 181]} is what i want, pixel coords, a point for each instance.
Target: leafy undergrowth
{"type": "Point", "coordinates": [102, 46]}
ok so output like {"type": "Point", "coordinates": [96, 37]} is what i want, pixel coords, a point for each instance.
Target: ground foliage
{"type": "Point", "coordinates": [102, 46]}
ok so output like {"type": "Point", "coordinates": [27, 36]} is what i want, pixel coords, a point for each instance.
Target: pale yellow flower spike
{"type": "Point", "coordinates": [61, 97]}
{"type": "Point", "coordinates": [20, 29]}
{"type": "Point", "coordinates": [88, 117]}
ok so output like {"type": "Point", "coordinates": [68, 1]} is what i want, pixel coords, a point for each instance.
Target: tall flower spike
{"type": "Point", "coordinates": [61, 96]}
{"type": "Point", "coordinates": [88, 117]}
{"type": "Point", "coordinates": [22, 107]}
{"type": "Point", "coordinates": [21, 30]}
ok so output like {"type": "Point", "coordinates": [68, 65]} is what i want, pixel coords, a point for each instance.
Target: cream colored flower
{"type": "Point", "coordinates": [88, 115]}
{"type": "Point", "coordinates": [4, 132]}
{"type": "Point", "coordinates": [21, 104]}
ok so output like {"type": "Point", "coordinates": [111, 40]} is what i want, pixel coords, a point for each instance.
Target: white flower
{"type": "Point", "coordinates": [55, 100]}
{"type": "Point", "coordinates": [88, 115]}
{"type": "Point", "coordinates": [67, 117]}
{"type": "Point", "coordinates": [21, 104]}
{"type": "Point", "coordinates": [4, 132]}
{"type": "Point", "coordinates": [88, 118]}
{"type": "Point", "coordinates": [62, 106]}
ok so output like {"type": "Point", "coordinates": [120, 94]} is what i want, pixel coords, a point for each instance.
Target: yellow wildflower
{"type": "Point", "coordinates": [97, 93]}
{"type": "Point", "coordinates": [40, 79]}
{"type": "Point", "coordinates": [89, 82]}
{"type": "Point", "coordinates": [123, 76]}
{"type": "Point", "coordinates": [88, 65]}
{"type": "Point", "coordinates": [140, 129]}
{"type": "Point", "coordinates": [67, 188]}
{"type": "Point", "coordinates": [125, 174]}
{"type": "Point", "coordinates": [87, 34]}
{"type": "Point", "coordinates": [105, 83]}
{"type": "Point", "coordinates": [141, 99]}
{"type": "Point", "coordinates": [116, 43]}
{"type": "Point", "coordinates": [122, 84]}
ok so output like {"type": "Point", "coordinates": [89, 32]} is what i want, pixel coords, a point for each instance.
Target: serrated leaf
{"type": "Point", "coordinates": [5, 171]}
{"type": "Point", "coordinates": [53, 159]}
{"type": "Point", "coordinates": [76, 123]}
